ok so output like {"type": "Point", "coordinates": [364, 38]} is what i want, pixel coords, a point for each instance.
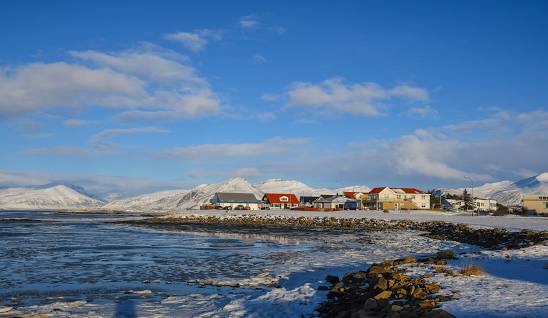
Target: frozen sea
{"type": "Point", "coordinates": [81, 265]}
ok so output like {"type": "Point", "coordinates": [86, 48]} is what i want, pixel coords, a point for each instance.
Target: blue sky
{"type": "Point", "coordinates": [362, 92]}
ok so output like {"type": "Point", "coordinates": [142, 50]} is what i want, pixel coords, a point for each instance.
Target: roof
{"type": "Point", "coordinates": [377, 190]}
{"type": "Point", "coordinates": [411, 190]}
{"type": "Point", "coordinates": [353, 195]}
{"type": "Point", "coordinates": [406, 190]}
{"type": "Point", "coordinates": [308, 199]}
{"type": "Point", "coordinates": [229, 197]}
{"type": "Point", "coordinates": [275, 198]}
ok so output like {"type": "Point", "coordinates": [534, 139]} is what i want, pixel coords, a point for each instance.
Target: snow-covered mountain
{"type": "Point", "coordinates": [59, 197]}
{"type": "Point", "coordinates": [507, 192]}
{"type": "Point", "coordinates": [157, 201]}
{"type": "Point", "coordinates": [203, 193]}
{"type": "Point", "coordinates": [290, 186]}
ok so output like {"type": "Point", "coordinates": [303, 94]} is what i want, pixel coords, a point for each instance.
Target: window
{"type": "Point", "coordinates": [284, 199]}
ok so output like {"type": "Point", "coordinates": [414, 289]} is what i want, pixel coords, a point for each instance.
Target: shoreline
{"type": "Point", "coordinates": [490, 238]}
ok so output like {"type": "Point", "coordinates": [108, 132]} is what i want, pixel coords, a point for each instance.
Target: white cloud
{"type": "Point", "coordinates": [365, 99]}
{"type": "Point", "coordinates": [195, 41]}
{"type": "Point", "coordinates": [259, 58]}
{"type": "Point", "coordinates": [140, 81]}
{"type": "Point", "coordinates": [274, 146]}
{"type": "Point", "coordinates": [423, 111]}
{"type": "Point", "coordinates": [249, 21]}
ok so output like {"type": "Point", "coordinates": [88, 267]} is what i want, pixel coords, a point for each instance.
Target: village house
{"type": "Point", "coordinates": [386, 198]}
{"type": "Point", "coordinates": [360, 198]}
{"type": "Point", "coordinates": [537, 203]}
{"type": "Point", "coordinates": [485, 205]}
{"type": "Point", "coordinates": [307, 201]}
{"type": "Point", "coordinates": [280, 200]}
{"type": "Point", "coordinates": [335, 202]}
{"type": "Point", "coordinates": [235, 201]}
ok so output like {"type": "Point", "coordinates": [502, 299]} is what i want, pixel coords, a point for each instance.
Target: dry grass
{"type": "Point", "coordinates": [471, 270]}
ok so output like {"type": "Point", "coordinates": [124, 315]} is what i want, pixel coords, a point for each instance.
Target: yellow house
{"type": "Point", "coordinates": [535, 203]}
{"type": "Point", "coordinates": [386, 198]}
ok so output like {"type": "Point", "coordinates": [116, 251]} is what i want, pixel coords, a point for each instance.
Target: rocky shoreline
{"type": "Point", "coordinates": [385, 290]}
{"type": "Point", "coordinates": [490, 238]}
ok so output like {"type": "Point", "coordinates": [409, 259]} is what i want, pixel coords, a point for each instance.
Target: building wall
{"type": "Point", "coordinates": [536, 203]}
{"type": "Point", "coordinates": [486, 205]}
{"type": "Point", "coordinates": [422, 201]}
{"type": "Point", "coordinates": [279, 206]}
{"type": "Point", "coordinates": [252, 206]}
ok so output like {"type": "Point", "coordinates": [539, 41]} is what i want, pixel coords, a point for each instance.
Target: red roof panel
{"type": "Point", "coordinates": [274, 198]}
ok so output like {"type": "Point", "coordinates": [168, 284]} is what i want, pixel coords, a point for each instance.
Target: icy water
{"type": "Point", "coordinates": [81, 265]}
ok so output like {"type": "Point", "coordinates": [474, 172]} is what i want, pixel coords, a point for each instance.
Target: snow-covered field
{"type": "Point", "coordinates": [510, 222]}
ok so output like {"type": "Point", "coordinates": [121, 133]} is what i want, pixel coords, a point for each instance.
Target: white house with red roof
{"type": "Point", "coordinates": [280, 200]}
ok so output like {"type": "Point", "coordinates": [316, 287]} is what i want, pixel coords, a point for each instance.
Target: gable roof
{"type": "Point", "coordinates": [411, 190]}
{"type": "Point", "coordinates": [230, 197]}
{"type": "Point", "coordinates": [353, 195]}
{"type": "Point", "coordinates": [377, 190]}
{"type": "Point", "coordinates": [275, 198]}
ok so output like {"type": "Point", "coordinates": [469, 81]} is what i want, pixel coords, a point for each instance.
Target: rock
{"type": "Point", "coordinates": [432, 288]}
{"type": "Point", "coordinates": [407, 260]}
{"type": "Point", "coordinates": [395, 308]}
{"type": "Point", "coordinates": [332, 279]}
{"type": "Point", "coordinates": [378, 269]}
{"type": "Point", "coordinates": [383, 295]}
{"type": "Point", "coordinates": [428, 304]}
{"type": "Point", "coordinates": [370, 303]}
{"type": "Point", "coordinates": [447, 254]}
{"type": "Point", "coordinates": [419, 294]}
{"type": "Point", "coordinates": [381, 284]}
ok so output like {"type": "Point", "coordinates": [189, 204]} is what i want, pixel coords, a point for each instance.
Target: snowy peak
{"type": "Point", "coordinates": [59, 197]}
{"type": "Point", "coordinates": [507, 192]}
{"type": "Point", "coordinates": [157, 201]}
{"type": "Point", "coordinates": [290, 186]}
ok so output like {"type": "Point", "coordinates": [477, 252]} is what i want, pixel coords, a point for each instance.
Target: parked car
{"type": "Point", "coordinates": [227, 208]}
{"type": "Point", "coordinates": [239, 207]}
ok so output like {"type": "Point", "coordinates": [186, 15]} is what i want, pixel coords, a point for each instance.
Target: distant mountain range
{"type": "Point", "coordinates": [507, 192]}
{"type": "Point", "coordinates": [65, 197]}
{"type": "Point", "coordinates": [56, 197]}
{"type": "Point", "coordinates": [69, 197]}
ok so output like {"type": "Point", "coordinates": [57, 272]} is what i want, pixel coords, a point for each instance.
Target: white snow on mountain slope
{"type": "Point", "coordinates": [157, 201]}
{"type": "Point", "coordinates": [203, 193]}
{"type": "Point", "coordinates": [290, 186]}
{"type": "Point", "coordinates": [356, 188]}
{"type": "Point", "coordinates": [58, 197]}
{"type": "Point", "coordinates": [508, 192]}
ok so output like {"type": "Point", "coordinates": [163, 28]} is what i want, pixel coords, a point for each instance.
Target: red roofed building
{"type": "Point", "coordinates": [386, 198]}
{"type": "Point", "coordinates": [281, 200]}
{"type": "Point", "coordinates": [360, 197]}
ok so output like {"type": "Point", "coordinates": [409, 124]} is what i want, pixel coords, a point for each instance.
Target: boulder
{"type": "Point", "coordinates": [383, 295]}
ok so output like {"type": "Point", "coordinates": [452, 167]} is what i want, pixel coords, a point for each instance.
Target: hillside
{"type": "Point", "coordinates": [507, 192]}
{"type": "Point", "coordinates": [59, 197]}
{"type": "Point", "coordinates": [157, 201]}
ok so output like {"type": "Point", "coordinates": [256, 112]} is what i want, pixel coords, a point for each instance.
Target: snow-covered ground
{"type": "Point", "coordinates": [510, 222]}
